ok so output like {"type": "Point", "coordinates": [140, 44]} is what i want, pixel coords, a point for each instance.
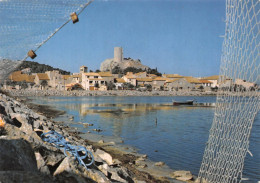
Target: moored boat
{"type": "Point", "coordinates": [188, 102]}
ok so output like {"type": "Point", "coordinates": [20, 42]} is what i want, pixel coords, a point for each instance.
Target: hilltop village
{"type": "Point", "coordinates": [113, 75]}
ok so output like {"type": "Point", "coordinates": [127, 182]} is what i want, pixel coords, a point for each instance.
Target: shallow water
{"type": "Point", "coordinates": [173, 134]}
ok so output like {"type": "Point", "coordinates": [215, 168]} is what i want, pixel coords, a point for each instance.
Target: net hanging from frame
{"type": "Point", "coordinates": [238, 100]}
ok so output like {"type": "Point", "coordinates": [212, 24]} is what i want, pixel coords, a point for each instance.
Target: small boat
{"type": "Point", "coordinates": [188, 102]}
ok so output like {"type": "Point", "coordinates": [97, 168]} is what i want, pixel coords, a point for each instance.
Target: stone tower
{"type": "Point", "coordinates": [83, 69]}
{"type": "Point", "coordinates": [118, 54]}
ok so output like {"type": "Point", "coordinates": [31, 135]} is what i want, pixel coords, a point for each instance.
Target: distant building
{"type": "Point", "coordinates": [130, 78]}
{"type": "Point", "coordinates": [83, 69]}
{"type": "Point", "coordinates": [158, 83]}
{"type": "Point", "coordinates": [118, 61]}
{"type": "Point", "coordinates": [119, 83]}
{"type": "Point", "coordinates": [40, 77]}
{"type": "Point", "coordinates": [55, 79]}
{"type": "Point", "coordinates": [92, 81]}
{"type": "Point", "coordinates": [178, 84]}
{"type": "Point", "coordinates": [214, 80]}
{"type": "Point", "coordinates": [118, 54]}
{"type": "Point", "coordinates": [244, 83]}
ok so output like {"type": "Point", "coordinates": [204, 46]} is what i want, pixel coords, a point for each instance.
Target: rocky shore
{"type": "Point", "coordinates": [28, 92]}
{"type": "Point", "coordinates": [25, 157]}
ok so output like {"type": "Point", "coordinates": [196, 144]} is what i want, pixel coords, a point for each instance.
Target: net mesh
{"type": "Point", "coordinates": [26, 25]}
{"type": "Point", "coordinates": [238, 96]}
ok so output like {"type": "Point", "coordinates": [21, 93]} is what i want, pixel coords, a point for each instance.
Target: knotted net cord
{"type": "Point", "coordinates": [238, 100]}
{"type": "Point", "coordinates": [27, 25]}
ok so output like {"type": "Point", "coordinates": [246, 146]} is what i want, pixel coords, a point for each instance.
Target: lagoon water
{"type": "Point", "coordinates": [175, 135]}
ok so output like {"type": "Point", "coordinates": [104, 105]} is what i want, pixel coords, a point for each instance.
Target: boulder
{"type": "Point", "coordinates": [120, 174]}
{"type": "Point", "coordinates": [16, 155]}
{"type": "Point", "coordinates": [182, 175]}
{"type": "Point", "coordinates": [24, 176]}
{"type": "Point", "coordinates": [64, 166]}
{"type": "Point", "coordinates": [105, 156]}
{"type": "Point", "coordinates": [160, 163]}
{"type": "Point", "coordinates": [41, 164]}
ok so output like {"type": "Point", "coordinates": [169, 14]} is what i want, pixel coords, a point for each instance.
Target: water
{"type": "Point", "coordinates": [175, 135]}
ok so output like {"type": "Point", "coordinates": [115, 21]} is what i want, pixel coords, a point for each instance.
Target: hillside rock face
{"type": "Point", "coordinates": [109, 64]}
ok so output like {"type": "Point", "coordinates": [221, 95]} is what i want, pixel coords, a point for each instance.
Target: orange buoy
{"type": "Point", "coordinates": [2, 123]}
{"type": "Point", "coordinates": [31, 54]}
{"type": "Point", "coordinates": [74, 17]}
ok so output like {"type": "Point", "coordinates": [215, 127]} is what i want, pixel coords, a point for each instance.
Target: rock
{"type": "Point", "coordinates": [97, 130]}
{"type": "Point", "coordinates": [41, 164]}
{"type": "Point", "coordinates": [139, 181]}
{"type": "Point", "coordinates": [200, 180]}
{"type": "Point", "coordinates": [182, 175]}
{"type": "Point", "coordinates": [97, 176]}
{"type": "Point", "coordinates": [117, 162]}
{"type": "Point", "coordinates": [16, 155]}
{"type": "Point", "coordinates": [64, 166]}
{"type": "Point", "coordinates": [52, 158]}
{"type": "Point", "coordinates": [103, 168]}
{"type": "Point", "coordinates": [144, 156]}
{"type": "Point", "coordinates": [109, 64]}
{"type": "Point", "coordinates": [39, 160]}
{"type": "Point", "coordinates": [140, 161]}
{"type": "Point", "coordinates": [142, 166]}
{"type": "Point", "coordinates": [160, 163]}
{"type": "Point", "coordinates": [101, 142]}
{"type": "Point", "coordinates": [120, 174]}
{"type": "Point", "coordinates": [37, 124]}
{"type": "Point", "coordinates": [88, 124]}
{"type": "Point", "coordinates": [105, 156]}
{"type": "Point", "coordinates": [111, 143]}
{"type": "Point", "coordinates": [23, 176]}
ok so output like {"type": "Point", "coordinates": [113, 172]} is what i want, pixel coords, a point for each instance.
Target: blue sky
{"type": "Point", "coordinates": [176, 36]}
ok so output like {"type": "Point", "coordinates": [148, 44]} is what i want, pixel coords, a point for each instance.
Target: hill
{"type": "Point", "coordinates": [39, 68]}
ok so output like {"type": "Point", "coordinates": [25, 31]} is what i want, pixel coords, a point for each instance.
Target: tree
{"type": "Point", "coordinates": [148, 87]}
{"type": "Point", "coordinates": [215, 89]}
{"type": "Point", "coordinates": [117, 70]}
{"type": "Point", "coordinates": [23, 85]}
{"type": "Point", "coordinates": [32, 84]}
{"type": "Point", "coordinates": [44, 83]}
{"type": "Point", "coordinates": [161, 88]}
{"type": "Point", "coordinates": [154, 71]}
{"type": "Point", "coordinates": [110, 86]}
{"type": "Point", "coordinates": [201, 88]}
{"type": "Point", "coordinates": [97, 71]}
{"type": "Point", "coordinates": [128, 86]}
{"type": "Point", "coordinates": [96, 85]}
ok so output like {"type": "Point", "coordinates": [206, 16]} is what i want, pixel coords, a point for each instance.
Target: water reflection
{"type": "Point", "coordinates": [126, 110]}
{"type": "Point", "coordinates": [176, 135]}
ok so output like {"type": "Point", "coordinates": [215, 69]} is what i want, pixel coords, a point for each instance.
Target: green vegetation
{"type": "Point", "coordinates": [111, 86]}
{"type": "Point", "coordinates": [118, 70]}
{"type": "Point", "coordinates": [39, 68]}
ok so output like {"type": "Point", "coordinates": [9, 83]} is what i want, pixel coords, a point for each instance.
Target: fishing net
{"type": "Point", "coordinates": [238, 96]}
{"type": "Point", "coordinates": [26, 25]}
